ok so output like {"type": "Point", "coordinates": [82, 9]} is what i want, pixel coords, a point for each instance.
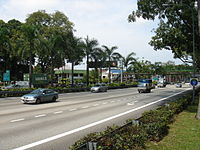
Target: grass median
{"type": "Point", "coordinates": [184, 133]}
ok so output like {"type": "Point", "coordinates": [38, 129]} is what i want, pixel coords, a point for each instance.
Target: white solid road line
{"type": "Point", "coordinates": [17, 120]}
{"type": "Point", "coordinates": [90, 125]}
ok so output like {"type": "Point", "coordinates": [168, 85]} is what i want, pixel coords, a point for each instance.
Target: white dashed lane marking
{"type": "Point", "coordinates": [42, 115]}
{"type": "Point", "coordinates": [73, 109]}
{"type": "Point", "coordinates": [85, 107]}
{"type": "Point", "coordinates": [58, 112]}
{"type": "Point", "coordinates": [17, 120]}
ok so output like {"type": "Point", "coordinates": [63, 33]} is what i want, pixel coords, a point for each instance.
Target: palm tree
{"type": "Point", "coordinates": [97, 58]}
{"type": "Point", "coordinates": [102, 56]}
{"type": "Point", "coordinates": [76, 53]}
{"type": "Point", "coordinates": [128, 60]}
{"type": "Point", "coordinates": [89, 47]}
{"type": "Point", "coordinates": [111, 55]}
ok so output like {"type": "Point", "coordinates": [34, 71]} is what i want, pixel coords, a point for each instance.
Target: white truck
{"type": "Point", "coordinates": [145, 86]}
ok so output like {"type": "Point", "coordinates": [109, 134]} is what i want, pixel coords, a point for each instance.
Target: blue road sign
{"type": "Point", "coordinates": [6, 76]}
{"type": "Point", "coordinates": [193, 82]}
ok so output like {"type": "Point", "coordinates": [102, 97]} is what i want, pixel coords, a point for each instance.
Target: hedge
{"type": "Point", "coordinates": [22, 91]}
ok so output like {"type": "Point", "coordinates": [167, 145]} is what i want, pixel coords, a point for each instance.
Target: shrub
{"type": "Point", "coordinates": [126, 138]}
{"type": "Point", "coordinates": [156, 130]}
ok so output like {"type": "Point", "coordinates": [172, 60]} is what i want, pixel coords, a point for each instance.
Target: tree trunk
{"type": "Point", "coordinates": [72, 73]}
{"type": "Point", "coordinates": [109, 79]}
{"type": "Point", "coordinates": [199, 15]}
{"type": "Point", "coordinates": [30, 65]}
{"type": "Point", "coordinates": [96, 72]}
{"type": "Point", "coordinates": [87, 72]}
{"type": "Point", "coordinates": [52, 73]}
{"type": "Point", "coordinates": [198, 109]}
{"type": "Point", "coordinates": [100, 79]}
{"type": "Point", "coordinates": [30, 70]}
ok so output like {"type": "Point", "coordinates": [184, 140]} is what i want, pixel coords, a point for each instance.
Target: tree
{"type": "Point", "coordinates": [111, 55]}
{"type": "Point", "coordinates": [51, 28]}
{"type": "Point", "coordinates": [97, 59]}
{"type": "Point", "coordinates": [198, 111]}
{"type": "Point", "coordinates": [30, 36]}
{"type": "Point", "coordinates": [89, 47]}
{"type": "Point", "coordinates": [175, 29]}
{"type": "Point", "coordinates": [18, 62]}
{"type": "Point", "coordinates": [128, 60]}
{"type": "Point", "coordinates": [4, 46]}
{"type": "Point", "coordinates": [76, 53]}
{"type": "Point", "coordinates": [100, 58]}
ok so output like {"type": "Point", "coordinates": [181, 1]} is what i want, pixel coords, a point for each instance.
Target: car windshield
{"type": "Point", "coordinates": [97, 85]}
{"type": "Point", "coordinates": [38, 91]}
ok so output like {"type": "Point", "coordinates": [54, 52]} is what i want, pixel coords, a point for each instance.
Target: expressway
{"type": "Point", "coordinates": [56, 126]}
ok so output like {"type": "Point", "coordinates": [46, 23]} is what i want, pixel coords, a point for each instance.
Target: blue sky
{"type": "Point", "coordinates": [104, 20]}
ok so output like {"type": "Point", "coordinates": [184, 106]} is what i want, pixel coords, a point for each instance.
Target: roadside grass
{"type": "Point", "coordinates": [184, 133]}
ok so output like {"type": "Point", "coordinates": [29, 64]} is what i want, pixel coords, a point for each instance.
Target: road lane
{"type": "Point", "coordinates": [56, 120]}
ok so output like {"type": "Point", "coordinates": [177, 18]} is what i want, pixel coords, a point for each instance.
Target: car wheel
{"type": "Point", "coordinates": [53, 99]}
{"type": "Point", "coordinates": [38, 101]}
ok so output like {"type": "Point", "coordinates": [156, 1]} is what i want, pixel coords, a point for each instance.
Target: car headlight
{"type": "Point", "coordinates": [32, 98]}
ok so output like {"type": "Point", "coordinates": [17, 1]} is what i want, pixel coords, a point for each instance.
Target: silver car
{"type": "Point", "coordinates": [99, 88]}
{"type": "Point", "coordinates": [39, 96]}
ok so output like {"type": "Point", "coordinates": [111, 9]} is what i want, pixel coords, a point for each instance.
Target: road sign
{"type": "Point", "coordinates": [193, 82]}
{"type": "Point", "coordinates": [6, 75]}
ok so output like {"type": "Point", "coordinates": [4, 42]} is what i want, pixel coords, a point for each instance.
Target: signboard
{"type": "Point", "coordinates": [39, 79]}
{"type": "Point", "coordinates": [6, 75]}
{"type": "Point", "coordinates": [193, 82]}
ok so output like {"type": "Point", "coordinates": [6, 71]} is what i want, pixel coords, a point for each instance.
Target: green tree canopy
{"type": "Point", "coordinates": [175, 30]}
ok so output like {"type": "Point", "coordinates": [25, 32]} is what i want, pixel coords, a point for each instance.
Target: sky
{"type": "Point", "coordinates": [103, 20]}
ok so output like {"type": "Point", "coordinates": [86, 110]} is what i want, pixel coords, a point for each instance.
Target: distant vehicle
{"type": "Point", "coordinates": [99, 88]}
{"type": "Point", "coordinates": [39, 96]}
{"type": "Point", "coordinates": [178, 85]}
{"type": "Point", "coordinates": [161, 83]}
{"type": "Point", "coordinates": [145, 86]}
{"type": "Point", "coordinates": [12, 86]}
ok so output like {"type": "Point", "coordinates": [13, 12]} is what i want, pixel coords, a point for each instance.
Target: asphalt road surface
{"type": "Point", "coordinates": [56, 126]}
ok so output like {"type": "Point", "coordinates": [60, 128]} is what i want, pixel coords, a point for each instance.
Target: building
{"type": "Point", "coordinates": [67, 75]}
